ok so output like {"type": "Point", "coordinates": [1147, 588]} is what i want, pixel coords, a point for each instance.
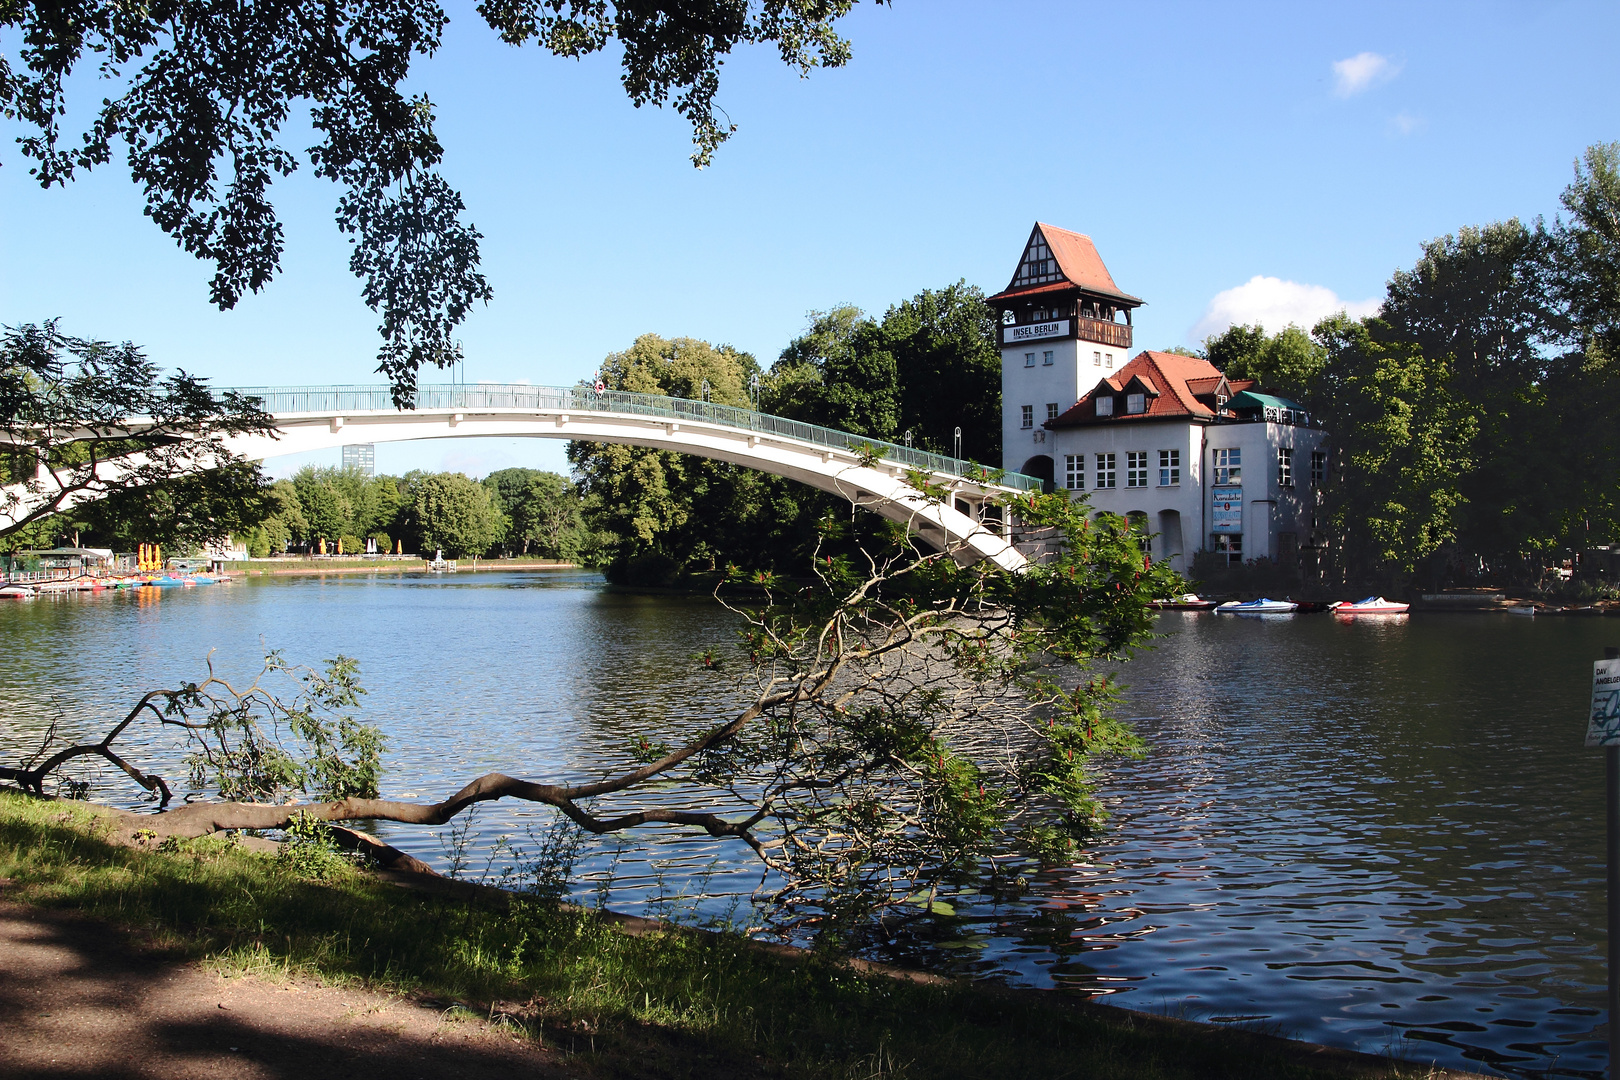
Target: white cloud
{"type": "Point", "coordinates": [1362, 72]}
{"type": "Point", "coordinates": [1274, 303]}
{"type": "Point", "coordinates": [1406, 123]}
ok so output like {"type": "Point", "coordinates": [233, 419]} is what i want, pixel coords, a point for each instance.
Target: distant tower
{"type": "Point", "coordinates": [1064, 325]}
{"type": "Point", "coordinates": [361, 456]}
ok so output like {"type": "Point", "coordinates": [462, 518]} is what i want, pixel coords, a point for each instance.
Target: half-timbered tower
{"type": "Point", "coordinates": [1063, 324]}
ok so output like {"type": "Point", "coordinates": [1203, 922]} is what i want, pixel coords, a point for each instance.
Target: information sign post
{"type": "Point", "coordinates": [1603, 729]}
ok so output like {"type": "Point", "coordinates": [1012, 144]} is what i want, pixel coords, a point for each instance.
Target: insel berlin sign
{"type": "Point", "coordinates": [1603, 729]}
{"type": "Point", "coordinates": [1226, 504]}
{"type": "Point", "coordinates": [1034, 331]}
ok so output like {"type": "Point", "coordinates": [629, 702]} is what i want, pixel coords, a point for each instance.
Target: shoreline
{"type": "Point", "coordinates": [281, 567]}
{"type": "Point", "coordinates": [187, 899]}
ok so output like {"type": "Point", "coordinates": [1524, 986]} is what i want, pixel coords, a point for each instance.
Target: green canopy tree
{"type": "Point", "coordinates": [664, 514]}
{"type": "Point", "coordinates": [455, 514]}
{"type": "Point", "coordinates": [83, 420]}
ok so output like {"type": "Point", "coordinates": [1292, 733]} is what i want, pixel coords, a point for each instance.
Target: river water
{"type": "Point", "coordinates": [1383, 835]}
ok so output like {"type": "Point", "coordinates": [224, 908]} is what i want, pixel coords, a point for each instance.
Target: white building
{"type": "Point", "coordinates": [1205, 463]}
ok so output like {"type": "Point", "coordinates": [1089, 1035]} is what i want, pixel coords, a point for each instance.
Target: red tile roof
{"type": "Point", "coordinates": [1078, 261]}
{"type": "Point", "coordinates": [1173, 375]}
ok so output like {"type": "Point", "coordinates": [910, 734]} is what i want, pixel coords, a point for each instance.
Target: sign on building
{"type": "Point", "coordinates": [1012, 335]}
{"type": "Point", "coordinates": [1226, 505]}
{"type": "Point", "coordinates": [1604, 727]}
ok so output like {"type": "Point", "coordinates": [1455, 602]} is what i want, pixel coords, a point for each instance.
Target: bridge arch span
{"type": "Point", "coordinates": [868, 473]}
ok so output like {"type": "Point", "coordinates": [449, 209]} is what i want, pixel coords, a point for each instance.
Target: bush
{"type": "Point", "coordinates": [351, 545]}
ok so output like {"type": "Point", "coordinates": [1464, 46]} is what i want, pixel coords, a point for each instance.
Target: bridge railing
{"type": "Point", "coordinates": [339, 400]}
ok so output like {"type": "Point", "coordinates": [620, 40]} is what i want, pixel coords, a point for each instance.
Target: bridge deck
{"type": "Point", "coordinates": [286, 401]}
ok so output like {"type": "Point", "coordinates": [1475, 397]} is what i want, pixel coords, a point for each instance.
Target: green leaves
{"type": "Point", "coordinates": [204, 89]}
{"type": "Point", "coordinates": [257, 745]}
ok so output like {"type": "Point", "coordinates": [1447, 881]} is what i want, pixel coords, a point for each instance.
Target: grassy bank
{"type": "Point", "coordinates": [664, 1004]}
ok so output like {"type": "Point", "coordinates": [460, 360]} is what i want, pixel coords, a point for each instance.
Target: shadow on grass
{"type": "Point", "coordinates": [667, 1004]}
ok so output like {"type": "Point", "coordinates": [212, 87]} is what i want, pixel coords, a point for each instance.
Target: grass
{"type": "Point", "coordinates": [663, 1004]}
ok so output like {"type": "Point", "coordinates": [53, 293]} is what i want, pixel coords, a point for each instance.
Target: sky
{"type": "Point", "coordinates": [1233, 162]}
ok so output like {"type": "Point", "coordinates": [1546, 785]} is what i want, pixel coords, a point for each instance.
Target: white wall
{"type": "Point", "coordinates": [1163, 505]}
{"type": "Point", "coordinates": [1268, 508]}
{"type": "Point", "coordinates": [1073, 372]}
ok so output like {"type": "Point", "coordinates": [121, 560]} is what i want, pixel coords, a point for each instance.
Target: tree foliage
{"type": "Point", "coordinates": [199, 94]}
{"type": "Point", "coordinates": [455, 514]}
{"type": "Point", "coordinates": [82, 420]}
{"type": "Point", "coordinates": [929, 366]}
{"type": "Point", "coordinates": [1451, 409]}
{"type": "Point", "coordinates": [661, 514]}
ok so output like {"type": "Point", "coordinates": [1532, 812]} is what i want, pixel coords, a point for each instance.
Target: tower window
{"type": "Point", "coordinates": [1028, 412]}
{"type": "Point", "coordinates": [1029, 359]}
{"type": "Point", "coordinates": [1051, 410]}
{"type": "Point", "coordinates": [1046, 358]}
{"type": "Point", "coordinates": [1096, 358]}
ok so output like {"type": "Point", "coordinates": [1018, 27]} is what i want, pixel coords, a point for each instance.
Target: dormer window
{"type": "Point", "coordinates": [1105, 406]}
{"type": "Point", "coordinates": [1135, 403]}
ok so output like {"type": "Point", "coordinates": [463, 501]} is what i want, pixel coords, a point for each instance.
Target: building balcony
{"type": "Point", "coordinates": [1104, 333]}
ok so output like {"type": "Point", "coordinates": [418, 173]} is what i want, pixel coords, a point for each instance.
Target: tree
{"type": "Point", "coordinates": [82, 420]}
{"type": "Point", "coordinates": [930, 366]}
{"type": "Point", "coordinates": [948, 365]}
{"type": "Point", "coordinates": [455, 514]}
{"type": "Point", "coordinates": [1404, 444]}
{"type": "Point", "coordinates": [838, 374]}
{"type": "Point", "coordinates": [547, 515]}
{"type": "Point", "coordinates": [664, 514]}
{"type": "Point", "coordinates": [202, 89]}
{"type": "Point", "coordinates": [327, 513]}
{"type": "Point", "coordinates": [914, 728]}
{"type": "Point", "coordinates": [1589, 251]}
{"type": "Point", "coordinates": [1288, 362]}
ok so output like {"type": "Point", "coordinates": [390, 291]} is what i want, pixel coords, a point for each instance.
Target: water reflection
{"type": "Point", "coordinates": [1382, 834]}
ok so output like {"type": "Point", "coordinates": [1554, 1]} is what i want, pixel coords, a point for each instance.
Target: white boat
{"type": "Point", "coordinates": [1184, 602]}
{"type": "Point", "coordinates": [16, 591]}
{"type": "Point", "coordinates": [1373, 605]}
{"type": "Point", "coordinates": [1262, 606]}
{"type": "Point", "coordinates": [1522, 609]}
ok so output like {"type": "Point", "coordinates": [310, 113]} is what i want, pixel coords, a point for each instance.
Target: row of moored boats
{"type": "Point", "coordinates": [1373, 605]}
{"type": "Point", "coordinates": [27, 590]}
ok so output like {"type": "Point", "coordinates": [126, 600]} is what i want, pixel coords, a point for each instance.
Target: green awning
{"type": "Point", "coordinates": [1248, 399]}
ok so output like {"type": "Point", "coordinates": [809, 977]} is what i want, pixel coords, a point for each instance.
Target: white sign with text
{"type": "Point", "coordinates": [1035, 331]}
{"type": "Point", "coordinates": [1603, 728]}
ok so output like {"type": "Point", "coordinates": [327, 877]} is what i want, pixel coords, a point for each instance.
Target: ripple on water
{"type": "Point", "coordinates": [1378, 836]}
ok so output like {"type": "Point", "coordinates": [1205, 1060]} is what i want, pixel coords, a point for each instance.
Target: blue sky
{"type": "Point", "coordinates": [1251, 162]}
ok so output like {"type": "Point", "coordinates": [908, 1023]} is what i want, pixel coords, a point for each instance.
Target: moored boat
{"type": "Point", "coordinates": [1262, 606]}
{"type": "Point", "coordinates": [1373, 605]}
{"type": "Point", "coordinates": [16, 591]}
{"type": "Point", "coordinates": [1184, 602]}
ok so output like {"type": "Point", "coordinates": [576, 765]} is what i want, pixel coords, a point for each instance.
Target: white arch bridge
{"type": "Point", "coordinates": [869, 473]}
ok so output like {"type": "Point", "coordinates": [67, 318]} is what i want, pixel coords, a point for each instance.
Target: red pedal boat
{"type": "Point", "coordinates": [1373, 605]}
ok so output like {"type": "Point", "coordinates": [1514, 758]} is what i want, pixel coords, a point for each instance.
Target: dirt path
{"type": "Point", "coordinates": [77, 999]}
